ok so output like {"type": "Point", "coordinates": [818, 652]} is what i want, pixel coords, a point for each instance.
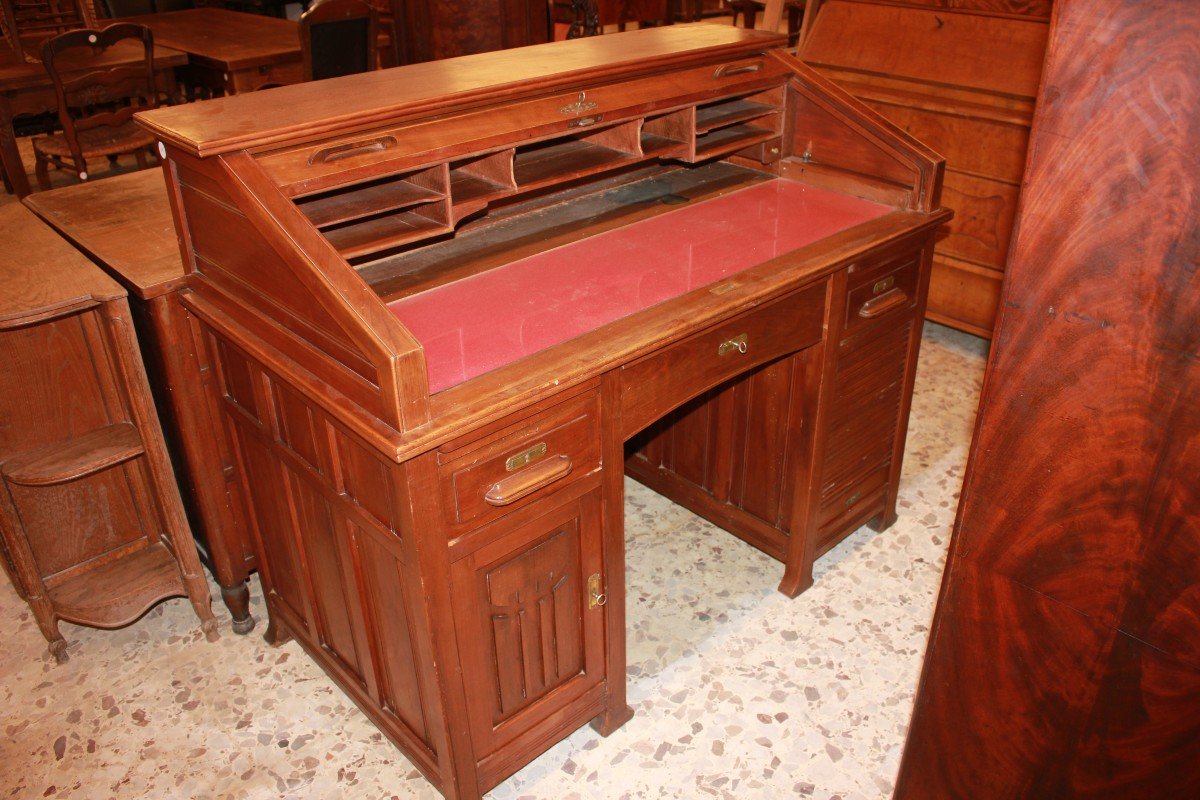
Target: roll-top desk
{"type": "Point", "coordinates": [448, 306]}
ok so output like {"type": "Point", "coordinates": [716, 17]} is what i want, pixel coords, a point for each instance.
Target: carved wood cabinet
{"type": "Point", "coordinates": [442, 304]}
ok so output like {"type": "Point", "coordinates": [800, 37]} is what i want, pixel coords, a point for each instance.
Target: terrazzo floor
{"type": "Point", "coordinates": [738, 692]}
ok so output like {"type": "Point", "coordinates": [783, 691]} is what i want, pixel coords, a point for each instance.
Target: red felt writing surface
{"type": "Point", "coordinates": [488, 320]}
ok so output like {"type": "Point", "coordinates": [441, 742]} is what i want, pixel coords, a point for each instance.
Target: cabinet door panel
{"type": "Point", "coordinates": [530, 643]}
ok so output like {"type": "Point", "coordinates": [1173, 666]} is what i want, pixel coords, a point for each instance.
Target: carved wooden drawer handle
{"type": "Point", "coordinates": [527, 481]}
{"type": "Point", "coordinates": [338, 152]}
{"type": "Point", "coordinates": [725, 70]}
{"type": "Point", "coordinates": [878, 306]}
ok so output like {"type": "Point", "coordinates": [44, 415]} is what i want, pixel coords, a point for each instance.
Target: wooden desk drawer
{"type": "Point", "coordinates": [508, 469]}
{"type": "Point", "coordinates": [881, 290]}
{"type": "Point", "coordinates": [656, 384]}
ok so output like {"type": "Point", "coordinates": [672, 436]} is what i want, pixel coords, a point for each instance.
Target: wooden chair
{"type": "Point", "coordinates": [96, 107]}
{"type": "Point", "coordinates": [338, 37]}
{"type": "Point", "coordinates": [28, 23]}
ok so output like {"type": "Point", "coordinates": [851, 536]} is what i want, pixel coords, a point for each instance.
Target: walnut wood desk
{"type": "Point", "coordinates": [447, 306]}
{"type": "Point", "coordinates": [124, 225]}
{"type": "Point", "coordinates": [26, 88]}
{"type": "Point", "coordinates": [228, 51]}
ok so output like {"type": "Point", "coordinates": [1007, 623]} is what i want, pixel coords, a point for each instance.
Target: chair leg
{"type": "Point", "coordinates": [41, 168]}
{"type": "Point", "coordinates": [140, 156]}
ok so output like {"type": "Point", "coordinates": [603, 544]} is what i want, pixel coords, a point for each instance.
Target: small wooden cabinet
{"type": "Point", "coordinates": [91, 523]}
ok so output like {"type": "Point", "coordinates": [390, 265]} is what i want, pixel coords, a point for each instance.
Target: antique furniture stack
{"type": "Point", "coordinates": [961, 76]}
{"type": "Point", "coordinates": [433, 306]}
{"type": "Point", "coordinates": [124, 225]}
{"type": "Point", "coordinates": [1064, 659]}
{"type": "Point", "coordinates": [91, 526]}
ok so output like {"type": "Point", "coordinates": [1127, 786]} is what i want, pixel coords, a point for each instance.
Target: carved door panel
{"type": "Point", "coordinates": [530, 634]}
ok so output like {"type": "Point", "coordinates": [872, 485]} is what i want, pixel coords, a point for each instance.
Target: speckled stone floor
{"type": "Point", "coordinates": [738, 691]}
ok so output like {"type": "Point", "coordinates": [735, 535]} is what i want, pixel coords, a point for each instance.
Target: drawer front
{"type": "Point", "coordinates": [984, 212]}
{"type": "Point", "coordinates": [665, 380]}
{"type": "Point", "coordinates": [838, 512]}
{"type": "Point", "coordinates": [964, 295]}
{"type": "Point", "coordinates": [881, 290]}
{"type": "Point", "coordinates": [507, 470]}
{"type": "Point", "coordinates": [986, 147]}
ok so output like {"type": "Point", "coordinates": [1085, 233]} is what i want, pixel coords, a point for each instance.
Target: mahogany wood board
{"type": "Point", "coordinates": [1065, 655]}
{"type": "Point", "coordinates": [927, 45]}
{"type": "Point", "coordinates": [124, 223]}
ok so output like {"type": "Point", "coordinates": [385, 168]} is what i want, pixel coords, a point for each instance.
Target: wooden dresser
{"type": "Point", "coordinates": [961, 76]}
{"type": "Point", "coordinates": [92, 530]}
{"type": "Point", "coordinates": [445, 306]}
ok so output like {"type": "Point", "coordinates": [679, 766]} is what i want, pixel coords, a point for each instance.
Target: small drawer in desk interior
{"type": "Point", "coordinates": [662, 381]}
{"type": "Point", "coordinates": [507, 469]}
{"type": "Point", "coordinates": [879, 289]}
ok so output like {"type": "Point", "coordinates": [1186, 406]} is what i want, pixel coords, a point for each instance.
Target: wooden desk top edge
{"type": "Point", "coordinates": [124, 224]}
{"type": "Point", "coordinates": [43, 275]}
{"type": "Point", "coordinates": [338, 105]}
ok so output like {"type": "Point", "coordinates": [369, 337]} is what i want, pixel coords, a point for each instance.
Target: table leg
{"type": "Point", "coordinates": [10, 156]}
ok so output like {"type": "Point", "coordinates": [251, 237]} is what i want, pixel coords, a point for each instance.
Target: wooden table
{"type": "Point", "coordinates": [228, 52]}
{"type": "Point", "coordinates": [124, 224]}
{"type": "Point", "coordinates": [26, 88]}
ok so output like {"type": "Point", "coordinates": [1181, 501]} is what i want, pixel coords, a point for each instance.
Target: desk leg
{"type": "Point", "coordinates": [10, 156]}
{"type": "Point", "coordinates": [618, 711]}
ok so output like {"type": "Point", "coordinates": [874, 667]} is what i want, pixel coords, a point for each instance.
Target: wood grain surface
{"type": "Point", "coordinates": [1065, 658]}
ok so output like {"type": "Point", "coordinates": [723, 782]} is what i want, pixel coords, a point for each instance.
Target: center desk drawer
{"type": "Point", "coordinates": [506, 470]}
{"type": "Point", "coordinates": [658, 383]}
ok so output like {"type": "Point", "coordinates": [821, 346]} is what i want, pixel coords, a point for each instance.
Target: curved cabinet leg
{"type": "Point", "coordinates": [277, 633]}
{"type": "Point", "coordinates": [237, 600]}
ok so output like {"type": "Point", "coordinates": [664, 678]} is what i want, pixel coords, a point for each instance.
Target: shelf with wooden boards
{"type": "Point", "coordinates": [962, 80]}
{"type": "Point", "coordinates": [92, 529]}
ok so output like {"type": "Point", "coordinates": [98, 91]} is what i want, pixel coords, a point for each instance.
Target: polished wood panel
{"type": "Point", "coordinates": [1063, 659]}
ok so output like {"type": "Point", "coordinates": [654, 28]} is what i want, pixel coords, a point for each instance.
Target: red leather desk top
{"type": "Point", "coordinates": [488, 320]}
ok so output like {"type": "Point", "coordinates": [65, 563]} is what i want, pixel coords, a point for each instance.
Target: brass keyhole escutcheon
{"type": "Point", "coordinates": [735, 345]}
{"type": "Point", "coordinates": [596, 597]}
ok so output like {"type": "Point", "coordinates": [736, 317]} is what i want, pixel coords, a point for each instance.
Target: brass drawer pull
{"type": "Point", "coordinates": [726, 70]}
{"type": "Point", "coordinates": [878, 306]}
{"type": "Point", "coordinates": [338, 152]}
{"type": "Point", "coordinates": [527, 481]}
{"type": "Point", "coordinates": [735, 345]}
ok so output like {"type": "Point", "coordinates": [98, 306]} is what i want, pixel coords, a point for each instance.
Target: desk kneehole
{"type": "Point", "coordinates": [658, 383]}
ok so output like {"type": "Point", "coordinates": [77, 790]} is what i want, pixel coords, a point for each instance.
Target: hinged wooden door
{"type": "Point", "coordinates": [530, 628]}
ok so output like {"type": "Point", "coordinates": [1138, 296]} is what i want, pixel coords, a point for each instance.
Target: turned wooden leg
{"type": "Point", "coordinates": [237, 600]}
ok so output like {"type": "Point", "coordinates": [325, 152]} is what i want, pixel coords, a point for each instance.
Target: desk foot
{"type": "Point", "coordinates": [209, 626]}
{"type": "Point", "coordinates": [608, 722]}
{"type": "Point", "coordinates": [277, 635]}
{"type": "Point", "coordinates": [794, 583]}
{"type": "Point", "coordinates": [883, 521]}
{"type": "Point", "coordinates": [237, 600]}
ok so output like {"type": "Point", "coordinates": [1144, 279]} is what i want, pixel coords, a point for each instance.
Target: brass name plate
{"type": "Point", "coordinates": [527, 457]}
{"type": "Point", "coordinates": [882, 286]}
